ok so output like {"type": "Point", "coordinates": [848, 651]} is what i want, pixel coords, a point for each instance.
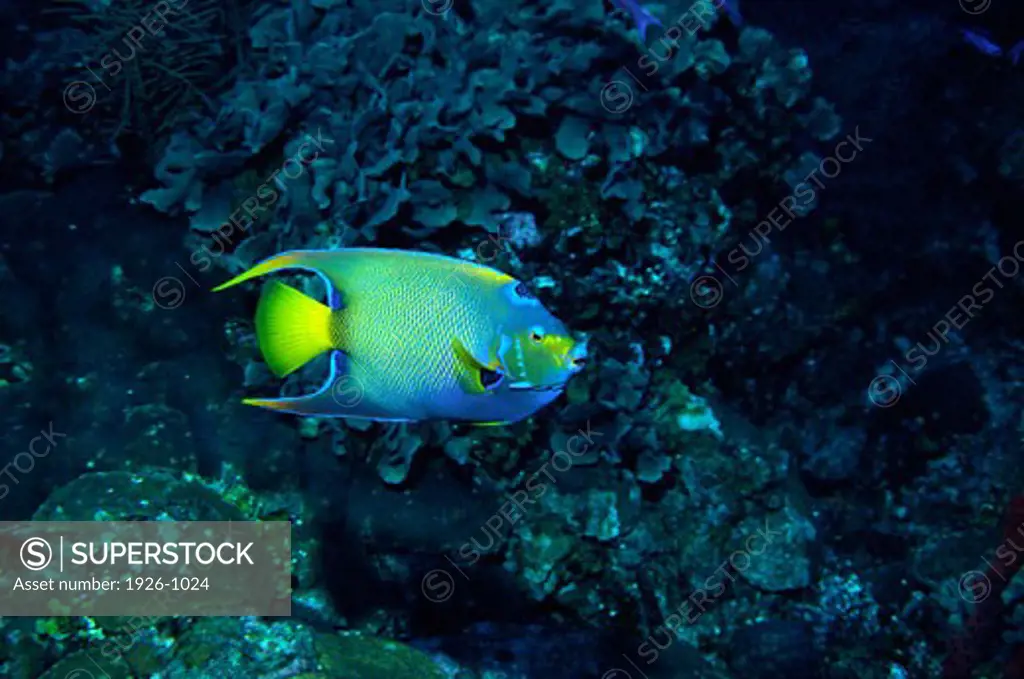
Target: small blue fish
{"type": "Point", "coordinates": [1015, 52]}
{"type": "Point", "coordinates": [732, 10]}
{"type": "Point", "coordinates": [641, 17]}
{"type": "Point", "coordinates": [981, 42]}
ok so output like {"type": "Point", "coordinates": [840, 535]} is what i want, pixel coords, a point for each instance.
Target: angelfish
{"type": "Point", "coordinates": [412, 336]}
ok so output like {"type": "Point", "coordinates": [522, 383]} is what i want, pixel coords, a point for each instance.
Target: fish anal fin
{"type": "Point", "coordinates": [341, 395]}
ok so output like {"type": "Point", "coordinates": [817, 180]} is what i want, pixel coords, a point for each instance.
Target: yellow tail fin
{"type": "Point", "coordinates": [291, 327]}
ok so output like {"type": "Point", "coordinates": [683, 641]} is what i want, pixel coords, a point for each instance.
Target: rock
{"type": "Point", "coordinates": [571, 138]}
{"type": "Point", "coordinates": [81, 664]}
{"type": "Point", "coordinates": [361, 657]}
{"type": "Point", "coordinates": [776, 549]}
{"type": "Point", "coordinates": [776, 648]}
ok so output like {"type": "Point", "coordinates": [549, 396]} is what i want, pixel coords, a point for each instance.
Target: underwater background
{"type": "Point", "coordinates": [790, 230]}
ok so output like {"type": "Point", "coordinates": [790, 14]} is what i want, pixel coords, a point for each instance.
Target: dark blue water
{"type": "Point", "coordinates": [789, 232]}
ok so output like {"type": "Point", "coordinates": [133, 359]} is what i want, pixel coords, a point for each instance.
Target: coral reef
{"type": "Point", "coordinates": [771, 466]}
{"type": "Point", "coordinates": [161, 60]}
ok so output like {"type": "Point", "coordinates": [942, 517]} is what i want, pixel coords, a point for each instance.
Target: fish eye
{"type": "Point", "coordinates": [536, 334]}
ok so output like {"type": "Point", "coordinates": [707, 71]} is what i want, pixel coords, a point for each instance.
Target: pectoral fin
{"type": "Point", "coordinates": [477, 374]}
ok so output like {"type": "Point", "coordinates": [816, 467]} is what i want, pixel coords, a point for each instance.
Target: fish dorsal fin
{"type": "Point", "coordinates": [352, 270]}
{"type": "Point", "coordinates": [486, 275]}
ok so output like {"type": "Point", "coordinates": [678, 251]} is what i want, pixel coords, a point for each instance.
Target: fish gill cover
{"type": "Point", "coordinates": [793, 449]}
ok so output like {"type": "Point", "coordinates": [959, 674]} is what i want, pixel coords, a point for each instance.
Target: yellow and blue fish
{"type": "Point", "coordinates": [413, 336]}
